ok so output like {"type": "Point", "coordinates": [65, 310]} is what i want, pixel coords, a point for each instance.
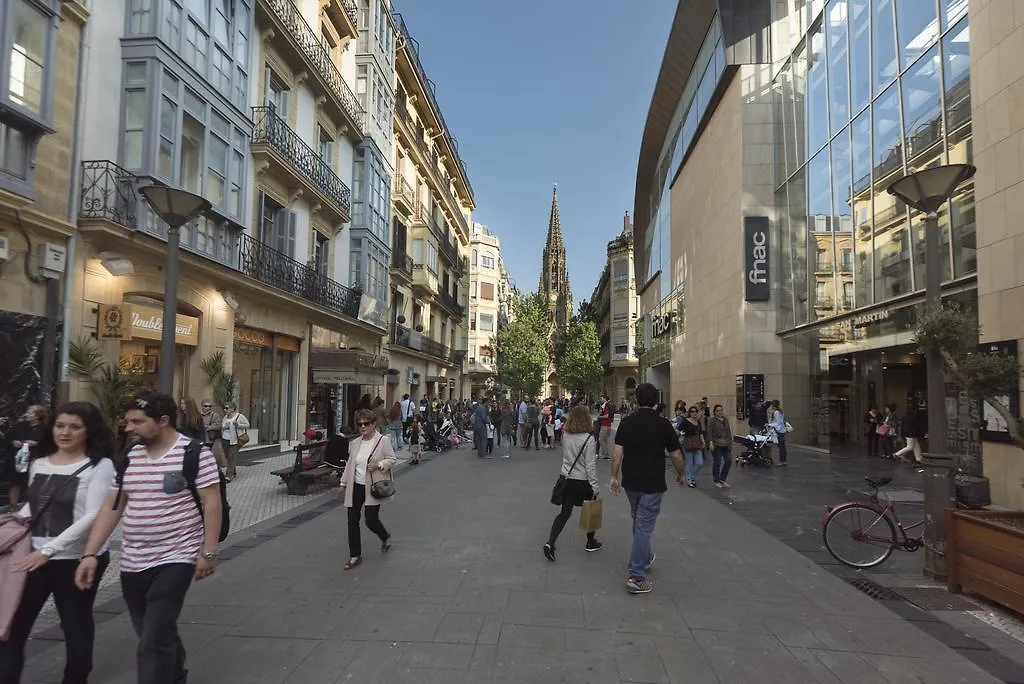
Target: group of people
{"type": "Point", "coordinates": [882, 433]}
{"type": "Point", "coordinates": [224, 433]}
{"type": "Point", "coordinates": [163, 486]}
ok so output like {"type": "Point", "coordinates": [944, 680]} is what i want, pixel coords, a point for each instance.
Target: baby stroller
{"type": "Point", "coordinates": [449, 434]}
{"type": "Point", "coordinates": [754, 448]}
{"type": "Point", "coordinates": [432, 440]}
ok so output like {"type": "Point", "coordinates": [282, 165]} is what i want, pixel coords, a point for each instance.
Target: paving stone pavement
{"type": "Point", "coordinates": [466, 596]}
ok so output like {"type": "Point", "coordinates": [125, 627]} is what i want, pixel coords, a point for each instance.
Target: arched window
{"type": "Point", "coordinates": [476, 258]}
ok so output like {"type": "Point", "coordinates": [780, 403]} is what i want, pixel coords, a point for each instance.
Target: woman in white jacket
{"type": "Point", "coordinates": [232, 427]}
{"type": "Point", "coordinates": [579, 466]}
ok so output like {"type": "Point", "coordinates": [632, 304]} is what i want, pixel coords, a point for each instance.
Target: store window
{"type": "Point", "coordinates": [266, 366]}
{"type": "Point", "coordinates": [883, 44]}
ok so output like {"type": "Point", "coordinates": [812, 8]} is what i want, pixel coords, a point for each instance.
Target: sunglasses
{"type": "Point", "coordinates": [363, 424]}
{"type": "Point", "coordinates": [207, 405]}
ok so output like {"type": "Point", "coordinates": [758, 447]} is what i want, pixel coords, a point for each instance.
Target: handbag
{"type": "Point", "coordinates": [883, 429]}
{"type": "Point", "coordinates": [558, 491]}
{"type": "Point", "coordinates": [692, 443]}
{"type": "Point", "coordinates": [243, 437]}
{"type": "Point", "coordinates": [381, 489]}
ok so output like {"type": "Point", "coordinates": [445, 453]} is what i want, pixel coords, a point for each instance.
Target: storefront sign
{"type": "Point", "coordinates": [148, 324]}
{"type": "Point", "coordinates": [867, 319]}
{"type": "Point", "coordinates": [263, 338]}
{"type": "Point", "coordinates": [755, 247]}
{"type": "Point", "coordinates": [749, 392]}
{"type": "Point", "coordinates": [345, 377]}
{"type": "Point", "coordinates": [113, 322]}
{"type": "Point", "coordinates": [373, 311]}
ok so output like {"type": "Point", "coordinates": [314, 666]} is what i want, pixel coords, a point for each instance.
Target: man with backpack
{"type": "Point", "coordinates": [169, 492]}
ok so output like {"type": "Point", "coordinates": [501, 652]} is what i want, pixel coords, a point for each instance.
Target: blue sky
{"type": "Point", "coordinates": [539, 91]}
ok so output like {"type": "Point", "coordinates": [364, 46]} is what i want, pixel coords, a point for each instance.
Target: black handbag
{"type": "Point", "coordinates": [558, 491]}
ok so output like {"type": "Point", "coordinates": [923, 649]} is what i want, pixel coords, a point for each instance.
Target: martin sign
{"type": "Point", "coordinates": [757, 260]}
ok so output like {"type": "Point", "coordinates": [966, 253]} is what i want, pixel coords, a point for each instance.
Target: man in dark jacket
{"type": "Point", "coordinates": [480, 427]}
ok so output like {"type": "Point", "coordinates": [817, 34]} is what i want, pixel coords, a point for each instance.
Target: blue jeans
{"type": "Point", "coordinates": [644, 508]}
{"type": "Point", "coordinates": [721, 464]}
{"type": "Point", "coordinates": [694, 460]}
{"type": "Point", "coordinates": [396, 437]}
{"type": "Point", "coordinates": [781, 436]}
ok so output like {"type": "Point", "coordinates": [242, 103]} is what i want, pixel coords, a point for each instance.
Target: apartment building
{"type": "Point", "coordinates": [249, 103]}
{"type": "Point", "coordinates": [432, 204]}
{"type": "Point", "coordinates": [486, 307]}
{"type": "Point", "coordinates": [40, 45]}
{"type": "Point", "coordinates": [615, 305]}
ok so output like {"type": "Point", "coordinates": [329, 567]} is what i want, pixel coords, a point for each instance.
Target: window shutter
{"type": "Point", "coordinates": [290, 237]}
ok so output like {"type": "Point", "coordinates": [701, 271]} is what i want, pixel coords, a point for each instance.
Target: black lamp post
{"type": "Point", "coordinates": [927, 191]}
{"type": "Point", "coordinates": [175, 207]}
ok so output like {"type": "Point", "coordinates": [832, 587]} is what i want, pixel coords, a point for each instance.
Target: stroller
{"type": "Point", "coordinates": [754, 445]}
{"type": "Point", "coordinates": [449, 434]}
{"type": "Point", "coordinates": [432, 440]}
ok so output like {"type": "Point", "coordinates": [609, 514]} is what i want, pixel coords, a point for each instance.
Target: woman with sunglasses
{"type": "Point", "coordinates": [694, 442]}
{"type": "Point", "coordinates": [371, 458]}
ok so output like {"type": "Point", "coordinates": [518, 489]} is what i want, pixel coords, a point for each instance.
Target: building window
{"type": "Point", "coordinates": [277, 224]}
{"type": "Point", "coordinates": [472, 289]}
{"type": "Point", "coordinates": [140, 17]}
{"type": "Point", "coordinates": [620, 271]}
{"type": "Point", "coordinates": [221, 22]}
{"type": "Point", "coordinates": [358, 174]}
{"type": "Point", "coordinates": [191, 168]}
{"type": "Point", "coordinates": [476, 258]}
{"type": "Point", "coordinates": [242, 34]}
{"type": "Point", "coordinates": [277, 94]}
{"type": "Point", "coordinates": [326, 147]}
{"type": "Point", "coordinates": [13, 154]}
{"type": "Point", "coordinates": [321, 253]}
{"type": "Point", "coordinates": [487, 261]}
{"type": "Point", "coordinates": [136, 112]}
{"type": "Point", "coordinates": [487, 291]}
{"type": "Point", "coordinates": [486, 323]}
{"type": "Point", "coordinates": [29, 55]}
{"type": "Point", "coordinates": [361, 78]}
{"type": "Point", "coordinates": [195, 46]}
{"type": "Point", "coordinates": [221, 77]}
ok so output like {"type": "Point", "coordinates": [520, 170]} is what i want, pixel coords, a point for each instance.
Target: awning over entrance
{"type": "Point", "coordinates": [348, 367]}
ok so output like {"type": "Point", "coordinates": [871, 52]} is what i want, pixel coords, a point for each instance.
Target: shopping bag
{"type": "Point", "coordinates": [591, 515]}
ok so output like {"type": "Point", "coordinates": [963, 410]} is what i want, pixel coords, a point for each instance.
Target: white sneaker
{"type": "Point", "coordinates": [718, 484]}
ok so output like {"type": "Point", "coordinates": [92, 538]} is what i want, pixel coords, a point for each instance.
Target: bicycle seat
{"type": "Point", "coordinates": [880, 482]}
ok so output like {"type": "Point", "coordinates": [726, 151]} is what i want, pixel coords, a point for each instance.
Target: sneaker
{"type": "Point", "coordinates": [638, 586]}
{"type": "Point", "coordinates": [718, 484]}
{"type": "Point", "coordinates": [596, 546]}
{"type": "Point", "coordinates": [650, 563]}
{"type": "Point", "coordinates": [507, 456]}
{"type": "Point", "coordinates": [549, 552]}
{"type": "Point", "coordinates": [725, 484]}
{"type": "Point", "coordinates": [692, 485]}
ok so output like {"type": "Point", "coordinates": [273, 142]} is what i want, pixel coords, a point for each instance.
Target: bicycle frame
{"type": "Point", "coordinates": [885, 509]}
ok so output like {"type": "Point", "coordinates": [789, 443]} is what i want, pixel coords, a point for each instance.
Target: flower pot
{"type": "Point", "coordinates": [985, 555]}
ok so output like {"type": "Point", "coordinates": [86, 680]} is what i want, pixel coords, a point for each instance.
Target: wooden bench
{"type": "Point", "coordinates": [308, 468]}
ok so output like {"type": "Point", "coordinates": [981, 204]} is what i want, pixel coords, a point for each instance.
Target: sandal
{"type": "Point", "coordinates": [385, 545]}
{"type": "Point", "coordinates": [353, 563]}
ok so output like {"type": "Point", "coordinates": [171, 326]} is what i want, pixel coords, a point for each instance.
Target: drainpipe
{"type": "Point", "coordinates": [63, 384]}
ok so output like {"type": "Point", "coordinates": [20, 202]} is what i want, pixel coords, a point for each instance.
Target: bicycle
{"type": "Point", "coordinates": [871, 526]}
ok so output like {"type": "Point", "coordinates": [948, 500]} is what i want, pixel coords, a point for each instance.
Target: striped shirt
{"type": "Point", "coordinates": [160, 528]}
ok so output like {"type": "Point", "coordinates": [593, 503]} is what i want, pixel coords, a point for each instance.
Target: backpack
{"type": "Point", "coordinates": [190, 470]}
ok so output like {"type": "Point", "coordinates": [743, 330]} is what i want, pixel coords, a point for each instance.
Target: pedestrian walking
{"type": "Point", "coordinates": [69, 477]}
{"type": "Point", "coordinates": [779, 426]}
{"type": "Point", "coordinates": [887, 431]}
{"type": "Point", "coordinates": [912, 434]}
{"type": "Point", "coordinates": [170, 535]}
{"type": "Point", "coordinates": [373, 460]}
{"type": "Point", "coordinates": [579, 468]}
{"type": "Point", "coordinates": [720, 437]}
{"type": "Point", "coordinates": [408, 410]}
{"type": "Point", "coordinates": [25, 434]}
{"type": "Point", "coordinates": [640, 445]}
{"type": "Point", "coordinates": [190, 421]}
{"type": "Point", "coordinates": [212, 421]}
{"type": "Point", "coordinates": [533, 423]}
{"type": "Point", "coordinates": [415, 448]}
{"type": "Point", "coordinates": [694, 443]}
{"type": "Point", "coordinates": [235, 433]}
{"type": "Point", "coordinates": [480, 428]}
{"type": "Point", "coordinates": [523, 422]}
{"type": "Point", "coordinates": [396, 427]}
{"type": "Point", "coordinates": [508, 426]}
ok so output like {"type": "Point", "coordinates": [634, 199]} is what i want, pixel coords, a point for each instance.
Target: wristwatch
{"type": "Point", "coordinates": [47, 551]}
{"type": "Point", "coordinates": [210, 556]}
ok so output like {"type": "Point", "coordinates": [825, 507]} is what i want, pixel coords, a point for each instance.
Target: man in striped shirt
{"type": "Point", "coordinates": [166, 541]}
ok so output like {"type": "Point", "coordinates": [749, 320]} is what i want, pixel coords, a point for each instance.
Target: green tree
{"type": "Point", "coordinates": [112, 384]}
{"type": "Point", "coordinates": [579, 362]}
{"type": "Point", "coordinates": [990, 376]}
{"type": "Point", "coordinates": [214, 367]}
{"type": "Point", "coordinates": [522, 348]}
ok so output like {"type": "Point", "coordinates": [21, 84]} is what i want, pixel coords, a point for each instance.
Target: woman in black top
{"type": "Point", "coordinates": [871, 422]}
{"type": "Point", "coordinates": [28, 431]}
{"type": "Point", "coordinates": [694, 442]}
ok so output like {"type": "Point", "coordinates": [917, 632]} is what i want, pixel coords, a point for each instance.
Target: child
{"type": "Point", "coordinates": [490, 437]}
{"type": "Point", "coordinates": [415, 450]}
{"type": "Point", "coordinates": [558, 430]}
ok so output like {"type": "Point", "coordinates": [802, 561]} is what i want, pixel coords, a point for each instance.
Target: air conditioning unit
{"type": "Point", "coordinates": [5, 249]}
{"type": "Point", "coordinates": [51, 259]}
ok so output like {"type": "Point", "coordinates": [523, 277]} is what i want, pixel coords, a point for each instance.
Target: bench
{"type": "Point", "coordinates": [309, 467]}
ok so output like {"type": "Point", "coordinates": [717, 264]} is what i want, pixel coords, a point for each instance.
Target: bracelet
{"type": "Point", "coordinates": [88, 555]}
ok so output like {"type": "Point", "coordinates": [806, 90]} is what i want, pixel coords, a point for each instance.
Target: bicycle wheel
{"type": "Point", "coordinates": [859, 535]}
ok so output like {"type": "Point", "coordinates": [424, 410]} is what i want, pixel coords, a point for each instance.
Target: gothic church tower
{"type": "Point", "coordinates": [554, 272]}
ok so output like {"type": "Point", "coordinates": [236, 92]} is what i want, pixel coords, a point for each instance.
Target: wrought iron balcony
{"type": "Point", "coordinates": [401, 264]}
{"type": "Point", "coordinates": [450, 304]}
{"type": "Point", "coordinates": [308, 42]}
{"type": "Point", "coordinates": [404, 193]}
{"type": "Point", "coordinates": [405, 337]}
{"type": "Point", "coordinates": [267, 265]}
{"type": "Point", "coordinates": [270, 129]}
{"type": "Point", "coordinates": [108, 193]}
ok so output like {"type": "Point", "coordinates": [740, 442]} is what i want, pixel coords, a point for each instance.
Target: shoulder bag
{"type": "Point", "coordinates": [558, 491]}
{"type": "Point", "coordinates": [381, 489]}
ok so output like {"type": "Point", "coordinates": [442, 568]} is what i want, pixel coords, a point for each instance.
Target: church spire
{"type": "Point", "coordinates": [554, 240]}
{"type": "Point", "coordinates": [554, 273]}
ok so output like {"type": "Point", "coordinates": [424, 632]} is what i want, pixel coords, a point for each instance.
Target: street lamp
{"type": "Point", "coordinates": [927, 191]}
{"type": "Point", "coordinates": [176, 207]}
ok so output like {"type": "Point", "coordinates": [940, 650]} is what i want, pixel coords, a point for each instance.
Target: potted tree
{"type": "Point", "coordinates": [111, 384]}
{"type": "Point", "coordinates": [984, 548]}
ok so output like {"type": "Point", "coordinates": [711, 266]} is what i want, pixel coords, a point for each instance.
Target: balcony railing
{"type": "Point", "coordinates": [351, 11]}
{"type": "Point", "coordinates": [445, 242]}
{"type": "Point", "coordinates": [270, 129]}
{"type": "Point", "coordinates": [400, 261]}
{"type": "Point", "coordinates": [404, 191]}
{"type": "Point", "coordinates": [289, 15]}
{"type": "Point", "coordinates": [109, 193]}
{"type": "Point", "coordinates": [411, 339]}
{"type": "Point", "coordinates": [267, 265]}
{"type": "Point", "coordinates": [450, 303]}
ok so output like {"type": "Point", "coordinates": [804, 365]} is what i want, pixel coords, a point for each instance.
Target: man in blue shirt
{"type": "Point", "coordinates": [480, 427]}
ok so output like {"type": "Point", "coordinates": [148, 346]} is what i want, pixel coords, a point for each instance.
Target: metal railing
{"type": "Point", "coordinates": [108, 192]}
{"type": "Point", "coordinates": [450, 303]}
{"type": "Point", "coordinates": [411, 339]}
{"type": "Point", "coordinates": [403, 189]}
{"type": "Point", "coordinates": [351, 11]}
{"type": "Point", "coordinates": [401, 261]}
{"type": "Point", "coordinates": [262, 262]}
{"type": "Point", "coordinates": [289, 15]}
{"type": "Point", "coordinates": [270, 129]}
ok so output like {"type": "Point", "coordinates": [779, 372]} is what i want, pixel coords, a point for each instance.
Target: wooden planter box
{"type": "Point", "coordinates": [985, 555]}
